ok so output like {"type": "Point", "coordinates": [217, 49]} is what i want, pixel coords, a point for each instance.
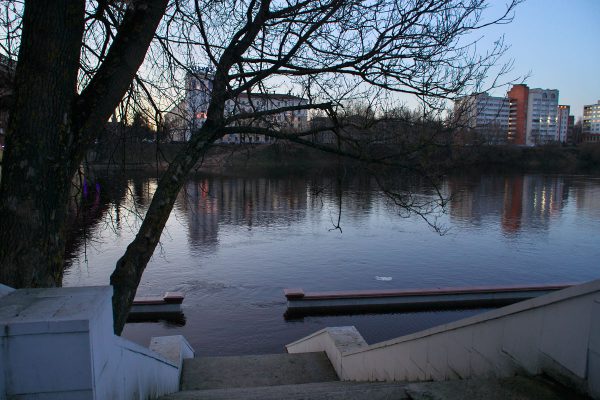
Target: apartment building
{"type": "Point", "coordinates": [482, 111]}
{"type": "Point", "coordinates": [564, 122]}
{"type": "Point", "coordinates": [591, 122]}
{"type": "Point", "coordinates": [257, 102]}
{"type": "Point", "coordinates": [518, 97]}
{"type": "Point", "coordinates": [481, 118]}
{"type": "Point", "coordinates": [533, 115]}
{"type": "Point", "coordinates": [542, 116]}
{"type": "Point", "coordinates": [191, 113]}
{"type": "Point", "coordinates": [526, 116]}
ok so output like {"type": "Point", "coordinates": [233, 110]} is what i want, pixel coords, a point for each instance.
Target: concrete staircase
{"type": "Point", "coordinates": [514, 388]}
{"type": "Point", "coordinates": [274, 376]}
{"type": "Point", "coordinates": [310, 376]}
{"type": "Point", "coordinates": [260, 370]}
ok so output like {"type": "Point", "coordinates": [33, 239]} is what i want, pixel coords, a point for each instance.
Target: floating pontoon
{"type": "Point", "coordinates": [300, 303]}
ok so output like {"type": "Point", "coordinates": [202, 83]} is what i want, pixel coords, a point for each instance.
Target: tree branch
{"type": "Point", "coordinates": [110, 83]}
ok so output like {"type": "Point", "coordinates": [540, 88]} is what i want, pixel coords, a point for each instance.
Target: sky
{"type": "Point", "coordinates": [556, 42]}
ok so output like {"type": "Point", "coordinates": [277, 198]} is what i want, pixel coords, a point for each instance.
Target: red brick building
{"type": "Point", "coordinates": [518, 96]}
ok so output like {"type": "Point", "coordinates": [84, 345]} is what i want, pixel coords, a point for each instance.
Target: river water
{"type": "Point", "coordinates": [233, 244]}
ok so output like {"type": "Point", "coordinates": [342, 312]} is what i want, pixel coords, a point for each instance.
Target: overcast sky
{"type": "Point", "coordinates": [558, 43]}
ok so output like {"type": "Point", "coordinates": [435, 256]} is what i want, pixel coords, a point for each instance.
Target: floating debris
{"type": "Point", "coordinates": [383, 278]}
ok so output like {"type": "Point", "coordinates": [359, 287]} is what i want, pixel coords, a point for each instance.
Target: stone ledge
{"type": "Point", "coordinates": [51, 310]}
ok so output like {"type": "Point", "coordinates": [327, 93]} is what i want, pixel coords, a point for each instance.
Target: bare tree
{"type": "Point", "coordinates": [328, 52]}
{"type": "Point", "coordinates": [52, 124]}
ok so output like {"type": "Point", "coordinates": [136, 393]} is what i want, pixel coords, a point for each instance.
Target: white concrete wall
{"type": "Point", "coordinates": [335, 342]}
{"type": "Point", "coordinates": [134, 372]}
{"type": "Point", "coordinates": [558, 334]}
{"type": "Point", "coordinates": [593, 372]}
{"type": "Point", "coordinates": [58, 344]}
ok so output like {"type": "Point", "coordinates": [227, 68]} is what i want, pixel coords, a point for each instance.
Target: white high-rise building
{"type": "Point", "coordinates": [190, 113]}
{"type": "Point", "coordinates": [482, 111]}
{"type": "Point", "coordinates": [591, 119]}
{"type": "Point", "coordinates": [198, 87]}
{"type": "Point", "coordinates": [542, 116]}
{"type": "Point", "coordinates": [488, 115]}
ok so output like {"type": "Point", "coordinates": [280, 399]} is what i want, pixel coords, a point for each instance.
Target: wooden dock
{"type": "Point", "coordinates": [300, 304]}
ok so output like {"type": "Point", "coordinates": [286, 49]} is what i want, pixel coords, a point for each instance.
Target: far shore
{"type": "Point", "coordinates": [286, 157]}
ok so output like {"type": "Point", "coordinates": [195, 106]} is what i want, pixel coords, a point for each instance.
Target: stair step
{"type": "Point", "coordinates": [257, 370]}
{"type": "Point", "coordinates": [314, 391]}
{"type": "Point", "coordinates": [521, 388]}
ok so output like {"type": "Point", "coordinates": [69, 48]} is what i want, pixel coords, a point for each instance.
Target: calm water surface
{"type": "Point", "coordinates": [233, 244]}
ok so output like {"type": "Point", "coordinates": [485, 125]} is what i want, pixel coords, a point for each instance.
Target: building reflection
{"type": "Point", "coordinates": [519, 202]}
{"type": "Point", "coordinates": [209, 203]}
{"type": "Point", "coordinates": [209, 207]}
{"type": "Point", "coordinates": [201, 211]}
{"type": "Point", "coordinates": [542, 198]}
{"type": "Point", "coordinates": [513, 205]}
{"type": "Point", "coordinates": [587, 196]}
{"type": "Point", "coordinates": [474, 199]}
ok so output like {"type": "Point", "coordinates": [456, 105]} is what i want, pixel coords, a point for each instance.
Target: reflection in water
{"type": "Point", "coordinates": [211, 202]}
{"type": "Point", "coordinates": [513, 205]}
{"type": "Point", "coordinates": [233, 244]}
{"type": "Point", "coordinates": [520, 202]}
{"type": "Point", "coordinates": [201, 209]}
{"type": "Point", "coordinates": [587, 194]}
{"type": "Point", "coordinates": [516, 203]}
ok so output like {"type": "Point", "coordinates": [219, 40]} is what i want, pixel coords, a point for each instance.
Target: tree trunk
{"type": "Point", "coordinates": [128, 272]}
{"type": "Point", "coordinates": [129, 269]}
{"type": "Point", "coordinates": [37, 169]}
{"type": "Point", "coordinates": [51, 128]}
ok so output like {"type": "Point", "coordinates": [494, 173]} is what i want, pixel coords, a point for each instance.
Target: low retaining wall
{"type": "Point", "coordinates": [58, 343]}
{"type": "Point", "coordinates": [558, 334]}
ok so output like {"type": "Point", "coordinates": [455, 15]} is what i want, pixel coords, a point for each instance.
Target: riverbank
{"type": "Point", "coordinates": [287, 157]}
{"type": "Point", "coordinates": [584, 158]}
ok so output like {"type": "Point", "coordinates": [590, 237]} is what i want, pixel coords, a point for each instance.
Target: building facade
{"type": "Point", "coordinates": [591, 122]}
{"type": "Point", "coordinates": [533, 115]}
{"type": "Point", "coordinates": [525, 117]}
{"type": "Point", "coordinates": [542, 116]}
{"type": "Point", "coordinates": [564, 122]}
{"type": "Point", "coordinates": [295, 120]}
{"type": "Point", "coordinates": [486, 115]}
{"type": "Point", "coordinates": [191, 113]}
{"type": "Point", "coordinates": [518, 97]}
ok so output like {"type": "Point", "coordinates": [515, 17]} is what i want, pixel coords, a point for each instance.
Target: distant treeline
{"type": "Point", "coordinates": [289, 157]}
{"type": "Point", "coordinates": [551, 158]}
